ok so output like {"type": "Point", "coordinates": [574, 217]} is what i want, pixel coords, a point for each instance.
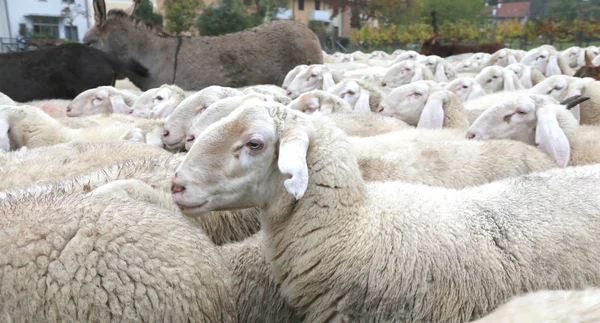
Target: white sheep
{"type": "Point", "coordinates": [442, 70]}
{"type": "Point", "coordinates": [56, 108]}
{"type": "Point", "coordinates": [541, 121]}
{"type": "Point", "coordinates": [410, 55]}
{"type": "Point", "coordinates": [362, 96]}
{"type": "Point", "coordinates": [562, 87]}
{"type": "Point", "coordinates": [325, 102]}
{"type": "Point", "coordinates": [314, 77]}
{"type": "Point", "coordinates": [127, 85]}
{"type": "Point", "coordinates": [575, 56]}
{"type": "Point", "coordinates": [6, 100]}
{"type": "Point", "coordinates": [503, 57]}
{"type": "Point", "coordinates": [158, 102]}
{"type": "Point", "coordinates": [549, 306]}
{"type": "Point", "coordinates": [465, 89]}
{"type": "Point", "coordinates": [273, 91]}
{"type": "Point", "coordinates": [425, 104]}
{"type": "Point", "coordinates": [527, 75]}
{"type": "Point", "coordinates": [291, 75]}
{"type": "Point", "coordinates": [31, 127]}
{"type": "Point", "coordinates": [547, 60]}
{"type": "Point", "coordinates": [101, 100]}
{"type": "Point", "coordinates": [182, 118]}
{"type": "Point", "coordinates": [473, 64]}
{"type": "Point", "coordinates": [379, 54]}
{"type": "Point", "coordinates": [496, 79]}
{"type": "Point", "coordinates": [404, 73]}
{"type": "Point", "coordinates": [73, 257]}
{"type": "Point", "coordinates": [474, 108]}
{"type": "Point", "coordinates": [345, 250]}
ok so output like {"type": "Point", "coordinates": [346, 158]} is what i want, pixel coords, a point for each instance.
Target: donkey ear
{"type": "Point", "coordinates": [118, 105]}
{"type": "Point", "coordinates": [131, 9]}
{"type": "Point", "coordinates": [432, 115]}
{"type": "Point", "coordinates": [552, 67]}
{"type": "Point", "coordinates": [4, 139]}
{"type": "Point", "coordinates": [362, 104]}
{"type": "Point", "coordinates": [550, 138]}
{"type": "Point", "coordinates": [99, 12]}
{"type": "Point", "coordinates": [292, 157]}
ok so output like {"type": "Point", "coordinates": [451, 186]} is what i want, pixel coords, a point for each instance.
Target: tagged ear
{"type": "Point", "coordinates": [118, 105]}
{"type": "Point", "coordinates": [432, 115]}
{"type": "Point", "coordinates": [4, 139]}
{"type": "Point", "coordinates": [99, 12]}
{"type": "Point", "coordinates": [510, 80]}
{"type": "Point", "coordinates": [440, 73]}
{"type": "Point", "coordinates": [552, 67]}
{"type": "Point", "coordinates": [327, 80]}
{"type": "Point", "coordinates": [575, 110]}
{"type": "Point", "coordinates": [550, 138]}
{"type": "Point", "coordinates": [418, 76]}
{"type": "Point", "coordinates": [292, 158]}
{"type": "Point", "coordinates": [362, 104]}
{"type": "Point", "coordinates": [525, 79]}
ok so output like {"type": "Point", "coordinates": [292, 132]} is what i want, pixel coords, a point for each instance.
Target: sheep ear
{"type": "Point", "coordinates": [292, 158]}
{"type": "Point", "coordinates": [362, 104]}
{"type": "Point", "coordinates": [99, 12]}
{"type": "Point", "coordinates": [418, 76]}
{"type": "Point", "coordinates": [526, 78]}
{"type": "Point", "coordinates": [552, 67]}
{"type": "Point", "coordinates": [432, 115]}
{"type": "Point", "coordinates": [119, 106]}
{"type": "Point", "coordinates": [512, 59]}
{"type": "Point", "coordinates": [327, 81]}
{"type": "Point", "coordinates": [510, 80]}
{"type": "Point", "coordinates": [440, 73]}
{"type": "Point", "coordinates": [550, 138]}
{"type": "Point", "coordinates": [476, 91]}
{"type": "Point", "coordinates": [4, 139]}
{"type": "Point", "coordinates": [575, 109]}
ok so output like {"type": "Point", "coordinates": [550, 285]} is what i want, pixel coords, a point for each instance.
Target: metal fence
{"type": "Point", "coordinates": [26, 43]}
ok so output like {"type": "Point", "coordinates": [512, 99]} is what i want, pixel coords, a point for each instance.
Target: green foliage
{"type": "Point", "coordinates": [145, 11]}
{"type": "Point", "coordinates": [227, 16]}
{"type": "Point", "coordinates": [453, 11]}
{"type": "Point", "coordinates": [180, 15]}
{"type": "Point", "coordinates": [392, 35]}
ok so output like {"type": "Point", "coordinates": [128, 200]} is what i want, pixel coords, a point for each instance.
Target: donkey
{"type": "Point", "coordinates": [261, 55]}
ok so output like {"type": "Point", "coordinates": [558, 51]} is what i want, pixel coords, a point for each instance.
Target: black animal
{"type": "Point", "coordinates": [61, 72]}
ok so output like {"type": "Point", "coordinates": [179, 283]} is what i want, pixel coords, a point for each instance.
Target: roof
{"type": "Point", "coordinates": [513, 9]}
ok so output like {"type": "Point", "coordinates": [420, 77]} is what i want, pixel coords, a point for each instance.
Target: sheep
{"type": "Point", "coordinates": [379, 54]}
{"type": "Point", "coordinates": [63, 161]}
{"type": "Point", "coordinates": [362, 96]}
{"type": "Point", "coordinates": [562, 87]}
{"type": "Point", "coordinates": [6, 100]}
{"type": "Point", "coordinates": [182, 118]}
{"type": "Point", "coordinates": [527, 75]}
{"type": "Point", "coordinates": [496, 79]}
{"type": "Point", "coordinates": [275, 92]}
{"type": "Point", "coordinates": [410, 55]}
{"type": "Point", "coordinates": [474, 107]}
{"type": "Point", "coordinates": [503, 57]}
{"type": "Point", "coordinates": [314, 77]}
{"type": "Point", "coordinates": [473, 64]}
{"type": "Point", "coordinates": [404, 73]}
{"type": "Point", "coordinates": [574, 56]}
{"type": "Point", "coordinates": [159, 102]}
{"type": "Point", "coordinates": [73, 257]}
{"type": "Point", "coordinates": [61, 72]}
{"type": "Point", "coordinates": [426, 105]}
{"type": "Point", "coordinates": [409, 245]}
{"type": "Point", "coordinates": [126, 84]}
{"type": "Point", "coordinates": [56, 108]}
{"type": "Point", "coordinates": [547, 60]}
{"type": "Point", "coordinates": [101, 100]}
{"type": "Point", "coordinates": [549, 306]}
{"type": "Point", "coordinates": [441, 69]}
{"type": "Point", "coordinates": [317, 100]}
{"type": "Point", "coordinates": [291, 75]}
{"type": "Point", "coordinates": [31, 127]}
{"type": "Point", "coordinates": [541, 121]}
{"type": "Point", "coordinates": [465, 89]}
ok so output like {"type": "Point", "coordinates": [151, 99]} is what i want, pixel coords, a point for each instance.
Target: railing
{"type": "Point", "coordinates": [25, 43]}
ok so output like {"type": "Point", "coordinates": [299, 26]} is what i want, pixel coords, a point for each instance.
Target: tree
{"type": "Point", "coordinates": [227, 16]}
{"type": "Point", "coordinates": [387, 11]}
{"type": "Point", "coordinates": [70, 13]}
{"type": "Point", "coordinates": [180, 15]}
{"type": "Point", "coordinates": [264, 10]}
{"type": "Point", "coordinates": [145, 11]}
{"type": "Point", "coordinates": [453, 11]}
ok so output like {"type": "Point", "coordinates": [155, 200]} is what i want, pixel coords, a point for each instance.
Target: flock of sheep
{"type": "Point", "coordinates": [370, 188]}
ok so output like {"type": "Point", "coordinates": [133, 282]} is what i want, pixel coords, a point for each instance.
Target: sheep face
{"type": "Point", "coordinates": [350, 91]}
{"type": "Point", "coordinates": [308, 103]}
{"type": "Point", "coordinates": [502, 57]}
{"type": "Point", "coordinates": [240, 161]}
{"type": "Point", "coordinates": [555, 86]}
{"type": "Point", "coordinates": [315, 77]}
{"type": "Point", "coordinates": [465, 89]}
{"type": "Point", "coordinates": [408, 101]}
{"type": "Point", "coordinates": [572, 56]}
{"type": "Point", "coordinates": [495, 79]}
{"type": "Point", "coordinates": [157, 103]}
{"type": "Point", "coordinates": [4, 138]}
{"type": "Point", "coordinates": [530, 119]}
{"type": "Point", "coordinates": [410, 55]}
{"type": "Point", "coordinates": [543, 60]}
{"type": "Point", "coordinates": [11, 132]}
{"type": "Point", "coordinates": [291, 75]}
{"type": "Point", "coordinates": [402, 73]}
{"type": "Point", "coordinates": [97, 101]}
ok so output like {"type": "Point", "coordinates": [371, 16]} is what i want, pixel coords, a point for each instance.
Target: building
{"type": "Point", "coordinates": [511, 10]}
{"type": "Point", "coordinates": [305, 11]}
{"type": "Point", "coordinates": [44, 17]}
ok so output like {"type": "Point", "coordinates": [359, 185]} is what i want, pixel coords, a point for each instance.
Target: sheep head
{"type": "Point", "coordinates": [560, 87]}
{"type": "Point", "coordinates": [243, 160]}
{"type": "Point", "coordinates": [352, 92]}
{"type": "Point", "coordinates": [465, 88]}
{"type": "Point", "coordinates": [496, 79]}
{"type": "Point", "coordinates": [404, 73]}
{"type": "Point", "coordinates": [502, 57]}
{"type": "Point", "coordinates": [13, 125]}
{"type": "Point", "coordinates": [159, 102]}
{"type": "Point", "coordinates": [531, 119]}
{"type": "Point", "coordinates": [574, 56]}
{"type": "Point", "coordinates": [547, 60]}
{"type": "Point", "coordinates": [315, 77]}
{"type": "Point", "coordinates": [101, 100]}
{"type": "Point", "coordinates": [291, 75]}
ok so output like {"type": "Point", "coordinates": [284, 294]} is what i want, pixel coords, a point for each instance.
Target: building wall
{"type": "Point", "coordinates": [20, 12]}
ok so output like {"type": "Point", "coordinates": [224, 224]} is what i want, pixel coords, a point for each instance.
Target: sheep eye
{"type": "Point", "coordinates": [465, 87]}
{"type": "Point", "coordinates": [383, 84]}
{"type": "Point", "coordinates": [542, 56]}
{"type": "Point", "coordinates": [351, 92]}
{"type": "Point", "coordinates": [558, 87]}
{"type": "Point", "coordinates": [313, 75]}
{"type": "Point", "coordinates": [489, 81]}
{"type": "Point", "coordinates": [521, 112]}
{"type": "Point", "coordinates": [255, 144]}
{"type": "Point", "coordinates": [417, 94]}
{"type": "Point", "coordinates": [495, 76]}
{"type": "Point", "coordinates": [159, 98]}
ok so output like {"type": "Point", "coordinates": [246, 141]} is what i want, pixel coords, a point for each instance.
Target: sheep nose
{"type": "Point", "coordinates": [470, 135]}
{"type": "Point", "coordinates": [288, 92]}
{"type": "Point", "coordinates": [190, 138]}
{"type": "Point", "coordinates": [176, 188]}
{"type": "Point", "coordinates": [380, 109]}
{"type": "Point", "coordinates": [165, 132]}
{"type": "Point", "coordinates": [68, 109]}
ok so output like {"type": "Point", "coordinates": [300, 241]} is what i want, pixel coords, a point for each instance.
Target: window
{"type": "Point", "coordinates": [300, 4]}
{"type": "Point", "coordinates": [71, 33]}
{"type": "Point", "coordinates": [22, 29]}
{"type": "Point", "coordinates": [317, 4]}
{"type": "Point", "coordinates": [47, 26]}
{"type": "Point", "coordinates": [68, 1]}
